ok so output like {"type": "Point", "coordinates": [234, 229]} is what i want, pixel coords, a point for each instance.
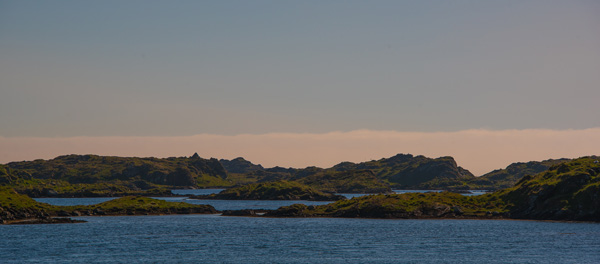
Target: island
{"type": "Point", "coordinates": [276, 190]}
{"type": "Point", "coordinates": [566, 191]}
{"type": "Point", "coordinates": [20, 209]}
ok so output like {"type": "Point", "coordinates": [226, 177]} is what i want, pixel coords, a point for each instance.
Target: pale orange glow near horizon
{"type": "Point", "coordinates": [479, 151]}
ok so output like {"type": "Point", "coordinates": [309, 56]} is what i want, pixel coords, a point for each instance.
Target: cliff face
{"type": "Point", "coordinates": [567, 191]}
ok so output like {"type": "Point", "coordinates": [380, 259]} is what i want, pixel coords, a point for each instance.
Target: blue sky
{"type": "Point", "coordinates": [480, 78]}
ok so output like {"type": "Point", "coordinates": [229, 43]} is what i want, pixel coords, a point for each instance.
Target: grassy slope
{"type": "Point", "coordinates": [411, 172]}
{"type": "Point", "coordinates": [400, 171]}
{"type": "Point", "coordinates": [567, 191]}
{"type": "Point", "coordinates": [92, 175]}
{"type": "Point", "coordinates": [141, 205]}
{"type": "Point", "coordinates": [509, 176]}
{"type": "Point", "coordinates": [9, 198]}
{"type": "Point", "coordinates": [354, 181]}
{"type": "Point", "coordinates": [409, 205]}
{"type": "Point", "coordinates": [277, 190]}
{"type": "Point", "coordinates": [14, 206]}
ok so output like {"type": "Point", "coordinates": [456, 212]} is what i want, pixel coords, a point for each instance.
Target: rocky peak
{"type": "Point", "coordinates": [240, 165]}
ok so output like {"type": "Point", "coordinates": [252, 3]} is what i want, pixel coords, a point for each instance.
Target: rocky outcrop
{"type": "Point", "coordinates": [240, 165]}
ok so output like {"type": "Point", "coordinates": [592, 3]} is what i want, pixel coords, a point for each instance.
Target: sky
{"type": "Point", "coordinates": [240, 73]}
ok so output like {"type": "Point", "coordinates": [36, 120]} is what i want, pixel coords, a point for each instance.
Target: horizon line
{"type": "Point", "coordinates": [477, 150]}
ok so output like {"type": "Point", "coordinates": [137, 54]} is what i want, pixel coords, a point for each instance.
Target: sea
{"type": "Point", "coordinates": [220, 239]}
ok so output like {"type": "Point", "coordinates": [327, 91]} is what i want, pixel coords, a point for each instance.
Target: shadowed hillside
{"type": "Point", "coordinates": [92, 175]}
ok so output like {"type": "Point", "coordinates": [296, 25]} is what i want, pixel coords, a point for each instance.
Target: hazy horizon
{"type": "Point", "coordinates": [479, 151]}
{"type": "Point", "coordinates": [524, 74]}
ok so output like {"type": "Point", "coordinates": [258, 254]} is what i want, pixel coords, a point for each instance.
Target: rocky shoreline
{"type": "Point", "coordinates": [566, 192]}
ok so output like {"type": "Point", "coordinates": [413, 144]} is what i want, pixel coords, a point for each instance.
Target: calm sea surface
{"type": "Point", "coordinates": [219, 239]}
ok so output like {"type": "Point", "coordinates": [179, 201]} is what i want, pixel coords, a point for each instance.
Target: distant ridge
{"type": "Point", "coordinates": [399, 171]}
{"type": "Point", "coordinates": [93, 175]}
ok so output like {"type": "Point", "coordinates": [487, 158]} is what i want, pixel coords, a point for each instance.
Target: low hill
{"type": "Point", "coordinates": [509, 176]}
{"type": "Point", "coordinates": [279, 190]}
{"type": "Point", "coordinates": [20, 209]}
{"type": "Point", "coordinates": [353, 181]}
{"type": "Point", "coordinates": [567, 191]}
{"type": "Point", "coordinates": [403, 171]}
{"type": "Point", "coordinates": [407, 205]}
{"type": "Point", "coordinates": [406, 171]}
{"type": "Point", "coordinates": [240, 165]}
{"type": "Point", "coordinates": [78, 175]}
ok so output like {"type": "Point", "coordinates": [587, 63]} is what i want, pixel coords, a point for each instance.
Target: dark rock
{"type": "Point", "coordinates": [63, 213]}
{"type": "Point", "coordinates": [240, 165]}
{"type": "Point", "coordinates": [457, 210]}
{"type": "Point", "coordinates": [98, 211]}
{"type": "Point", "coordinates": [244, 212]}
{"type": "Point", "coordinates": [49, 192]}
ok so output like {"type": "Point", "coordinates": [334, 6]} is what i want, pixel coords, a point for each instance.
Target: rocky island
{"type": "Point", "coordinates": [20, 209]}
{"type": "Point", "coordinates": [277, 190]}
{"type": "Point", "coordinates": [567, 191]}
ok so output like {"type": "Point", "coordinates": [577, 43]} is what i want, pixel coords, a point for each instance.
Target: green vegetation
{"type": "Point", "coordinates": [9, 198]}
{"type": "Point", "coordinates": [278, 190]}
{"type": "Point", "coordinates": [136, 205]}
{"type": "Point", "coordinates": [61, 188]}
{"type": "Point", "coordinates": [405, 171]}
{"type": "Point", "coordinates": [408, 205]}
{"type": "Point", "coordinates": [354, 181]}
{"type": "Point", "coordinates": [18, 208]}
{"type": "Point", "coordinates": [494, 180]}
{"type": "Point", "coordinates": [401, 171]}
{"type": "Point", "coordinates": [567, 191]}
{"type": "Point", "coordinates": [508, 177]}
{"type": "Point", "coordinates": [91, 175]}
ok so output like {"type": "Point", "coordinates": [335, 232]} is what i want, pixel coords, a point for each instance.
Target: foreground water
{"type": "Point", "coordinates": [218, 239]}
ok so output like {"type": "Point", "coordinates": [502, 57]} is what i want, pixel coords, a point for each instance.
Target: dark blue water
{"type": "Point", "coordinates": [218, 239]}
{"type": "Point", "coordinates": [195, 191]}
